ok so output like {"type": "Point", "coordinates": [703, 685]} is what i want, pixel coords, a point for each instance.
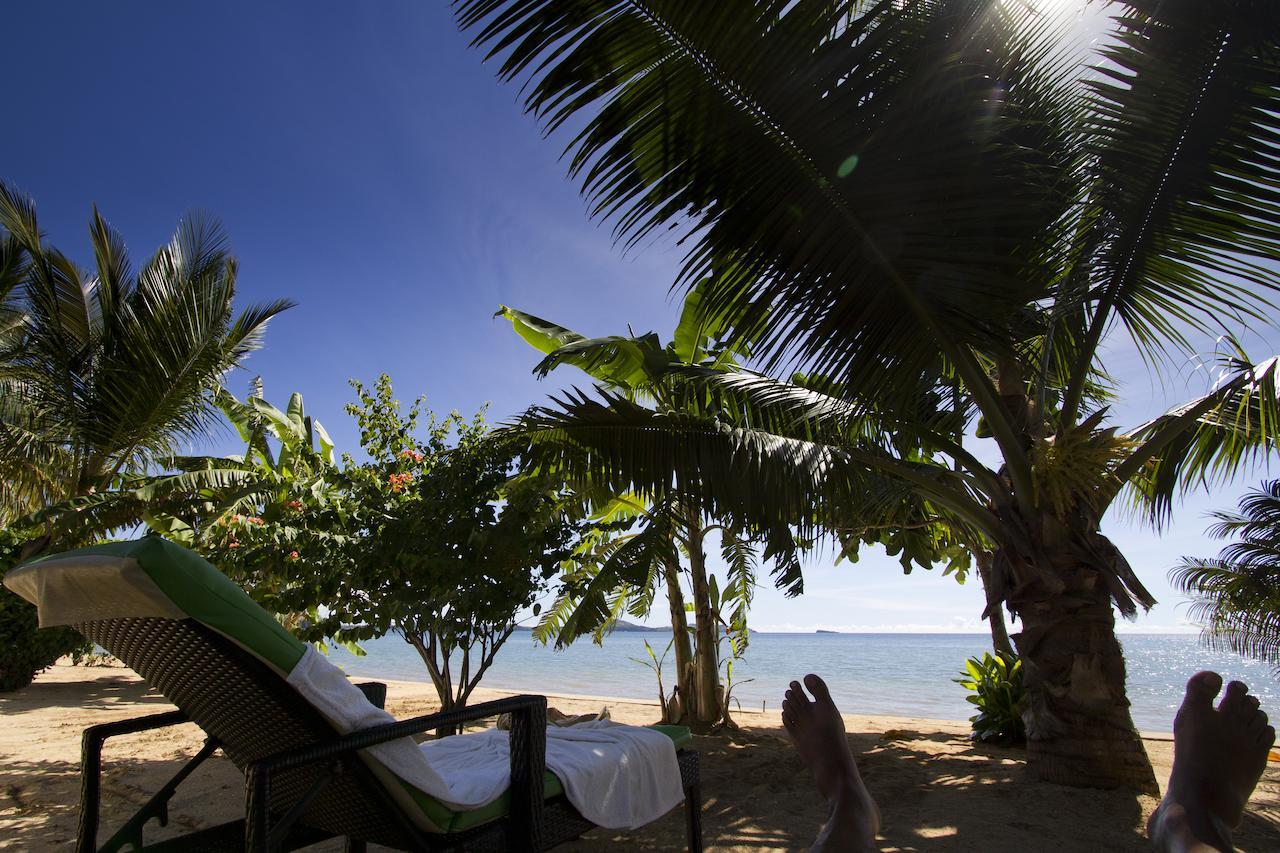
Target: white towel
{"type": "Point", "coordinates": [327, 688]}
{"type": "Point", "coordinates": [619, 777]}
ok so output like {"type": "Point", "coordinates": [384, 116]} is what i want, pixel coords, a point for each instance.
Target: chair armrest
{"type": "Point", "coordinates": [91, 771]}
{"type": "Point", "coordinates": [517, 706]}
{"type": "Point", "coordinates": [102, 731]}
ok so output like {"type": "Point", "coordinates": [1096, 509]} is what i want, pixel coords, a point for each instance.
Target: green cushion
{"type": "Point", "coordinates": [205, 594]}
{"type": "Point", "coordinates": [680, 735]}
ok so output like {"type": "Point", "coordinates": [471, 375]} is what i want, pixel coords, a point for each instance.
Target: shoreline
{"type": "Point", "coordinates": [937, 790]}
{"type": "Point", "coordinates": [768, 717]}
{"type": "Point", "coordinates": [876, 675]}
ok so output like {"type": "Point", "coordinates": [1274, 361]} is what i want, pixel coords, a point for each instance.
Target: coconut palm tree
{"type": "Point", "coordinates": [1237, 595]}
{"type": "Point", "coordinates": [929, 200]}
{"type": "Point", "coordinates": [105, 373]}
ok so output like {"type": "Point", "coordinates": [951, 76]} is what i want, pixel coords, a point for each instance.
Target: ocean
{"type": "Point", "coordinates": [892, 674]}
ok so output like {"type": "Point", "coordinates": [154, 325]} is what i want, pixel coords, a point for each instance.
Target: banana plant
{"type": "Point", "coordinates": [272, 484]}
{"type": "Point", "coordinates": [627, 566]}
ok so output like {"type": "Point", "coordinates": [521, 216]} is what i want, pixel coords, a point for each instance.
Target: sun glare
{"type": "Point", "coordinates": [1079, 21]}
{"type": "Point", "coordinates": [1060, 9]}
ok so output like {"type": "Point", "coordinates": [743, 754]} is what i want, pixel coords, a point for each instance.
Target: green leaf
{"type": "Point", "coordinates": [542, 335]}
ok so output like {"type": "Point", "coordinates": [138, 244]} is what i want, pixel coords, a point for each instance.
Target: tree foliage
{"type": "Point", "coordinates": [431, 536]}
{"type": "Point", "coordinates": [644, 540]}
{"type": "Point", "coordinates": [933, 207]}
{"type": "Point", "coordinates": [25, 648]}
{"type": "Point", "coordinates": [1236, 596]}
{"type": "Point", "coordinates": [105, 373]}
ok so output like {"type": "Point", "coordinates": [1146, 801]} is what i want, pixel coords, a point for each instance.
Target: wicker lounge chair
{"type": "Point", "coordinates": [201, 642]}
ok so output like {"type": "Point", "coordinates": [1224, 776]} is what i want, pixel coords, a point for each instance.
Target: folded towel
{"type": "Point", "coordinates": [618, 776]}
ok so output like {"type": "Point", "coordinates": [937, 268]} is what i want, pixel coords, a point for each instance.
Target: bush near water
{"type": "Point", "coordinates": [998, 693]}
{"type": "Point", "coordinates": [26, 650]}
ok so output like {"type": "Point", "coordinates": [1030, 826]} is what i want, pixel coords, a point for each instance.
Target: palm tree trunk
{"type": "Point", "coordinates": [706, 659]}
{"type": "Point", "coordinates": [995, 617]}
{"type": "Point", "coordinates": [1079, 730]}
{"type": "Point", "coordinates": [685, 692]}
{"type": "Point", "coordinates": [999, 632]}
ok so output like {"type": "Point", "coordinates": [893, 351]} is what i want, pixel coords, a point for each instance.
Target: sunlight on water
{"type": "Point", "coordinates": [901, 674]}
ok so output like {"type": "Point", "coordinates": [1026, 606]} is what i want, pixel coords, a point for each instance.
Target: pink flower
{"type": "Point", "coordinates": [293, 555]}
{"type": "Point", "coordinates": [398, 481]}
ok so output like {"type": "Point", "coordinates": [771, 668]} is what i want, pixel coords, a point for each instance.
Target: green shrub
{"type": "Point", "coordinates": [25, 649]}
{"type": "Point", "coordinates": [998, 693]}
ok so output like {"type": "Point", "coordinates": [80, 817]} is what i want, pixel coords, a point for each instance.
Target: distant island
{"type": "Point", "coordinates": [820, 631]}
{"type": "Point", "coordinates": [629, 627]}
{"type": "Point", "coordinates": [622, 625]}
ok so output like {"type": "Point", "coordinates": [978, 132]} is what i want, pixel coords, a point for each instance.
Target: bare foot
{"type": "Point", "coordinates": [1218, 756]}
{"type": "Point", "coordinates": [817, 730]}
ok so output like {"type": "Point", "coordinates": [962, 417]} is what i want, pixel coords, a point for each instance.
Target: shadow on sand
{"type": "Point", "coordinates": [114, 687]}
{"type": "Point", "coordinates": [936, 791]}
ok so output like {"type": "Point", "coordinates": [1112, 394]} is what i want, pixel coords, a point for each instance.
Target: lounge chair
{"type": "Point", "coordinates": [199, 640]}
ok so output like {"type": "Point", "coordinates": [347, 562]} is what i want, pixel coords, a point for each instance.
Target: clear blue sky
{"type": "Point", "coordinates": [368, 166]}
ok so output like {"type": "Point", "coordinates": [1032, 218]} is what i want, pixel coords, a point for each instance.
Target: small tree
{"type": "Point", "coordinates": [625, 568]}
{"type": "Point", "coordinates": [431, 538]}
{"type": "Point", "coordinates": [452, 545]}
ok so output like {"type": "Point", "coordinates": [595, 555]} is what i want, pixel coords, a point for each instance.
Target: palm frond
{"type": "Point", "coordinates": [848, 170]}
{"type": "Point", "coordinates": [106, 373]}
{"type": "Point", "coordinates": [761, 480]}
{"type": "Point", "coordinates": [1236, 597]}
{"type": "Point", "coordinates": [597, 594]}
{"type": "Point", "coordinates": [1185, 201]}
{"type": "Point", "coordinates": [740, 558]}
{"type": "Point", "coordinates": [1205, 441]}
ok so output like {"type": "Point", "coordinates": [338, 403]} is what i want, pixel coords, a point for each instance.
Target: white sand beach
{"type": "Point", "coordinates": [937, 791]}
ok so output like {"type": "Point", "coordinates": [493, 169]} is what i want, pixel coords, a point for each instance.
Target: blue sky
{"type": "Point", "coordinates": [368, 166]}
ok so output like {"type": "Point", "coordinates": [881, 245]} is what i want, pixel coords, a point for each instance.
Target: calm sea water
{"type": "Point", "coordinates": [901, 674]}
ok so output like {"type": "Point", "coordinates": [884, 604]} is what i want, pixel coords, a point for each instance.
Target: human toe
{"type": "Point", "coordinates": [1233, 697]}
{"type": "Point", "coordinates": [1201, 689]}
{"type": "Point", "coordinates": [818, 688]}
{"type": "Point", "coordinates": [796, 695]}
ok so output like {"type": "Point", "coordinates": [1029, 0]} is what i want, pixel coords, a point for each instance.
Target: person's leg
{"type": "Point", "coordinates": [1218, 756]}
{"type": "Point", "coordinates": [817, 730]}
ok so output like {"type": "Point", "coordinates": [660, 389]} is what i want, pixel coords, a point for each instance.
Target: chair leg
{"type": "Point", "coordinates": [693, 814]}
{"type": "Point", "coordinates": [90, 791]}
{"type": "Point", "coordinates": [355, 845]}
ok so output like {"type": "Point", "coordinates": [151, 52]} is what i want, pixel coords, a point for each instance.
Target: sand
{"type": "Point", "coordinates": [937, 791]}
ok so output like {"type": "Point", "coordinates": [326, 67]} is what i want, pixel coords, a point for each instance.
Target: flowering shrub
{"type": "Point", "coordinates": [356, 550]}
